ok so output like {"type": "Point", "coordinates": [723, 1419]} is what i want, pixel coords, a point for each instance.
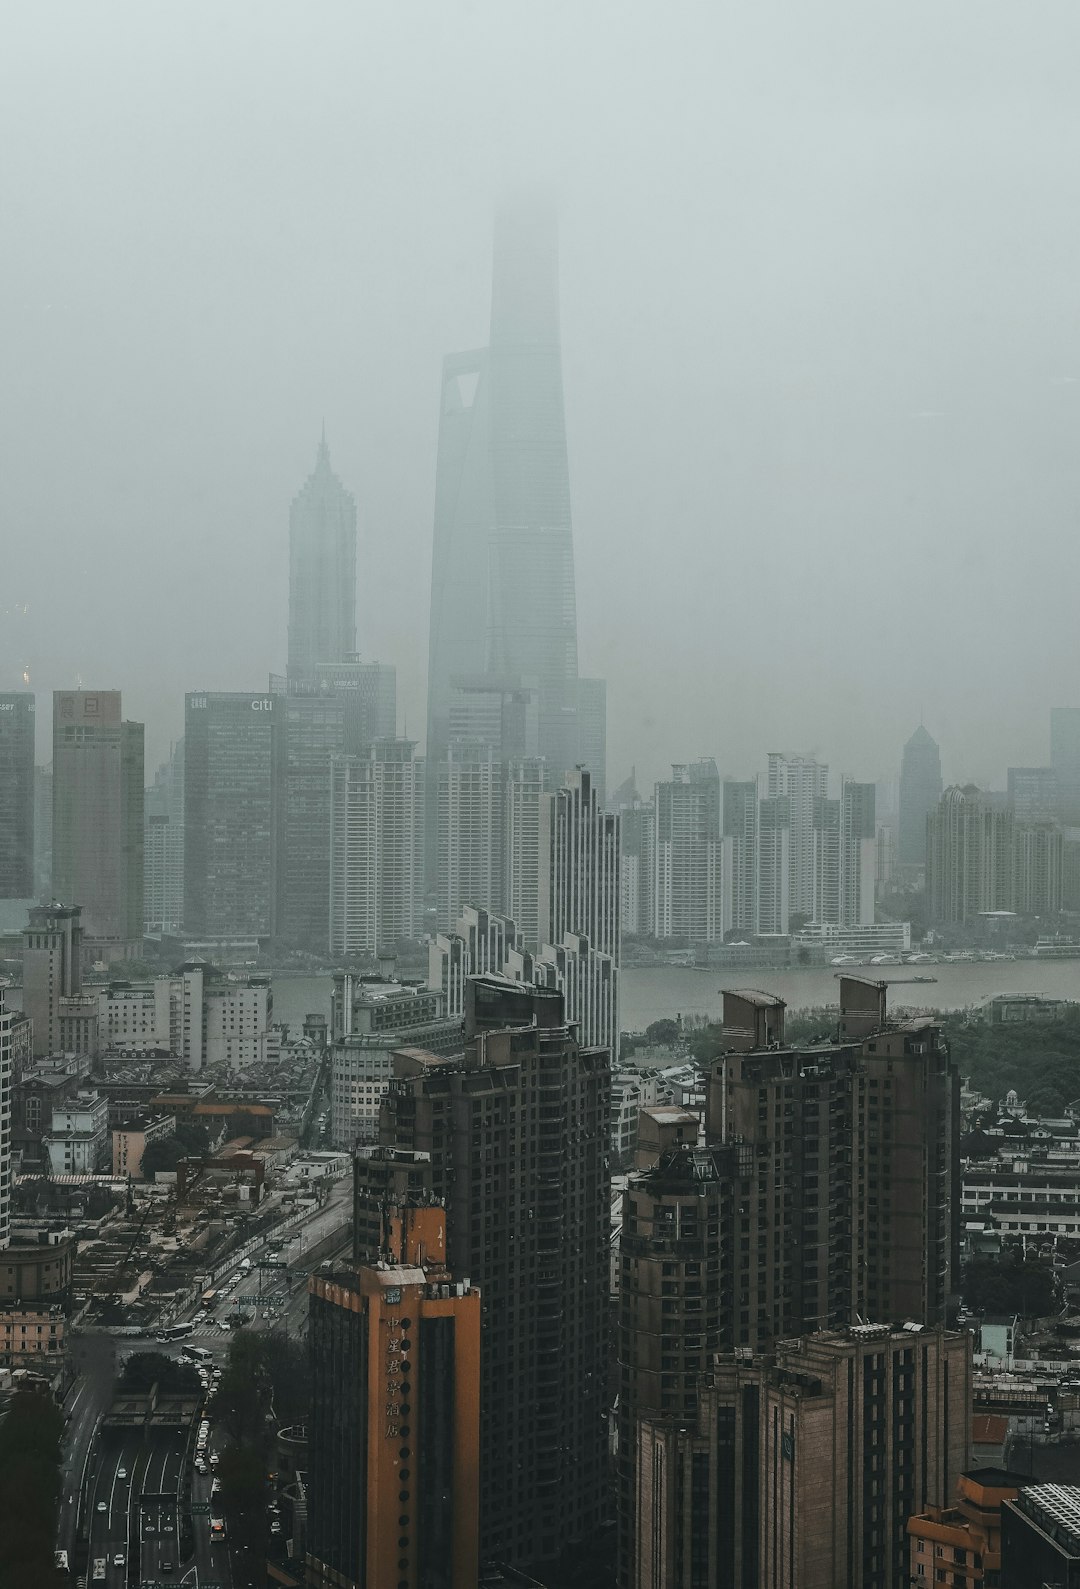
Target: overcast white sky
{"type": "Point", "coordinates": [820, 275]}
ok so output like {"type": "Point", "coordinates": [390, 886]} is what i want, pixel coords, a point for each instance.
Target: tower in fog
{"type": "Point", "coordinates": [920, 791]}
{"type": "Point", "coordinates": [502, 584]}
{"type": "Point", "coordinates": [322, 571]}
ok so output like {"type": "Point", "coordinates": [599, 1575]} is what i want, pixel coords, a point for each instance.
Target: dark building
{"type": "Point", "coordinates": [920, 791]}
{"type": "Point", "coordinates": [17, 725]}
{"type": "Point", "coordinates": [804, 1465]}
{"type": "Point", "coordinates": [1040, 1538]}
{"type": "Point", "coordinates": [322, 571]}
{"type": "Point", "coordinates": [1065, 760]}
{"type": "Point", "coordinates": [517, 1134]}
{"type": "Point", "coordinates": [393, 1442]}
{"type": "Point", "coordinates": [97, 793]}
{"type": "Point", "coordinates": [232, 774]}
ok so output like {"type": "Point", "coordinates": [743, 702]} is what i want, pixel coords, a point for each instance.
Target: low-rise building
{"type": "Point", "coordinates": [77, 1139]}
{"type": "Point", "coordinates": [961, 1543]}
{"type": "Point", "coordinates": [131, 1139]}
{"type": "Point", "coordinates": [28, 1336]}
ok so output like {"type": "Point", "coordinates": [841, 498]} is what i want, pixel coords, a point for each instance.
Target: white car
{"type": "Point", "coordinates": [102, 1506]}
{"type": "Point", "coordinates": [200, 1465]}
{"type": "Point", "coordinates": [214, 1459]}
{"type": "Point", "coordinates": [119, 1559]}
{"type": "Point", "coordinates": [121, 1473]}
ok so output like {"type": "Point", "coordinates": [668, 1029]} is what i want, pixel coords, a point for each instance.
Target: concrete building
{"type": "Point", "coordinates": [17, 728]}
{"type": "Point", "coordinates": [502, 578]}
{"type": "Point", "coordinates": [637, 866]}
{"type": "Point", "coordinates": [322, 571]}
{"type": "Point", "coordinates": [969, 855]}
{"type": "Point", "coordinates": [373, 1018]}
{"type": "Point", "coordinates": [687, 859]}
{"type": "Point", "coordinates": [7, 1080]}
{"type": "Point", "coordinates": [1038, 869]}
{"type": "Point", "coordinates": [392, 1478]}
{"type": "Point", "coordinates": [32, 1338]}
{"type": "Point", "coordinates": [97, 840]}
{"type": "Point", "coordinates": [197, 1014]}
{"type": "Point", "coordinates": [517, 1134]}
{"type": "Point", "coordinates": [482, 941]}
{"type": "Point", "coordinates": [589, 983]}
{"type": "Point", "coordinates": [963, 1539]}
{"type": "Point", "coordinates": [802, 782]}
{"type": "Point", "coordinates": [132, 1137]}
{"type": "Point", "coordinates": [163, 849]}
{"type": "Point", "coordinates": [739, 887]}
{"type": "Point", "coordinates": [1065, 760]}
{"type": "Point", "coordinates": [920, 790]}
{"type": "Point", "coordinates": [338, 709]}
{"type": "Point", "coordinates": [469, 829]}
{"type": "Point", "coordinates": [580, 904]}
{"type": "Point", "coordinates": [522, 801]}
{"type": "Point", "coordinates": [1033, 794]}
{"type": "Point", "coordinates": [376, 848]}
{"type": "Point", "coordinates": [805, 1463]}
{"type": "Point", "coordinates": [592, 732]}
{"type": "Point", "coordinates": [43, 813]}
{"type": "Point", "coordinates": [52, 970]}
{"type": "Point", "coordinates": [232, 773]}
{"type": "Point", "coordinates": [78, 1136]}
{"type": "Point", "coordinates": [774, 865]}
{"type": "Point", "coordinates": [1040, 1538]}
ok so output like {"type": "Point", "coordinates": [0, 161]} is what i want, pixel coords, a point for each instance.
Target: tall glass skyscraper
{"type": "Point", "coordinates": [322, 571]}
{"type": "Point", "coordinates": [502, 587]}
{"type": "Point", "coordinates": [920, 791]}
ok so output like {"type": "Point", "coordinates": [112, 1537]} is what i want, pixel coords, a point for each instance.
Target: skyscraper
{"type": "Point", "coordinates": [688, 889]}
{"type": "Point", "coordinates": [740, 855]}
{"type": "Point", "coordinates": [637, 866]}
{"type": "Point", "coordinates": [17, 796]}
{"type": "Point", "coordinates": [163, 848]}
{"type": "Point", "coordinates": [394, 1347]}
{"type": "Point", "coordinates": [517, 1134]}
{"type": "Point", "coordinates": [7, 1078]}
{"type": "Point", "coordinates": [592, 732]}
{"type": "Point", "coordinates": [969, 856]}
{"type": "Point", "coordinates": [920, 791]}
{"type": "Point", "coordinates": [232, 775]}
{"type": "Point", "coordinates": [322, 571]}
{"type": "Point", "coordinates": [523, 794]}
{"type": "Point", "coordinates": [469, 840]}
{"type": "Point", "coordinates": [802, 781]}
{"type": "Point", "coordinates": [98, 815]}
{"type": "Point", "coordinates": [502, 580]}
{"type": "Point", "coordinates": [376, 848]}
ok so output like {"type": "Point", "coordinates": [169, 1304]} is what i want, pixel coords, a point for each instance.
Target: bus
{"type": "Point", "coordinates": [209, 1298]}
{"type": "Point", "coordinates": [98, 1574]}
{"type": "Point", "coordinates": [176, 1332]}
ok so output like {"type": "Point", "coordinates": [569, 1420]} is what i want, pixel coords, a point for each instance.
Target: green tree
{"type": "Point", "coordinates": [173, 1377]}
{"type": "Point", "coordinates": [664, 1032]}
{"type": "Point", "coordinates": [1011, 1284]}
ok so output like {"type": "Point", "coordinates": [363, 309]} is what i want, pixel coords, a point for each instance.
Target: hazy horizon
{"type": "Point", "coordinates": [821, 352]}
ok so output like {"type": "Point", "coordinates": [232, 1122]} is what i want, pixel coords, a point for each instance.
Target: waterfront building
{"type": "Point", "coordinates": [97, 856]}
{"type": "Point", "coordinates": [637, 824]}
{"type": "Point", "coordinates": [376, 848]}
{"type": "Point", "coordinates": [687, 857]}
{"type": "Point", "coordinates": [1065, 760]}
{"type": "Point", "coordinates": [920, 791]}
{"type": "Point", "coordinates": [802, 782]}
{"type": "Point", "coordinates": [969, 855]}
{"type": "Point", "coordinates": [17, 729]}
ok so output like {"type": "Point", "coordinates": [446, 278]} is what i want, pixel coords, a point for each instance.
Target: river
{"type": "Point", "coordinates": [648, 994]}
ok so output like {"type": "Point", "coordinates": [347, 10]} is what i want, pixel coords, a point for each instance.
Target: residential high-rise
{"type": "Point", "coordinates": [637, 824]}
{"type": "Point", "coordinates": [17, 725]}
{"type": "Point", "coordinates": [376, 848]}
{"type": "Point", "coordinates": [1065, 760]}
{"type": "Point", "coordinates": [580, 896]}
{"type": "Point", "coordinates": [322, 571]}
{"type": "Point", "coordinates": [802, 781]}
{"type": "Point", "coordinates": [163, 848]}
{"type": "Point", "coordinates": [336, 709]}
{"type": "Point", "coordinates": [51, 970]}
{"type": "Point", "coordinates": [739, 889]}
{"type": "Point", "coordinates": [517, 1134]}
{"type": "Point", "coordinates": [920, 791]}
{"type": "Point", "coordinates": [502, 583]}
{"type": "Point", "coordinates": [469, 836]}
{"type": "Point", "coordinates": [371, 1020]}
{"type": "Point", "coordinates": [232, 776]}
{"type": "Point", "coordinates": [592, 732]}
{"type": "Point", "coordinates": [7, 1079]}
{"type": "Point", "coordinates": [43, 814]}
{"type": "Point", "coordinates": [1038, 868]}
{"type": "Point", "coordinates": [845, 855]}
{"type": "Point", "coordinates": [523, 794]}
{"type": "Point", "coordinates": [803, 1465]}
{"type": "Point", "coordinates": [393, 1442]}
{"type": "Point", "coordinates": [774, 864]}
{"type": "Point", "coordinates": [1033, 793]}
{"type": "Point", "coordinates": [687, 858]}
{"type": "Point", "coordinates": [969, 855]}
{"type": "Point", "coordinates": [98, 815]}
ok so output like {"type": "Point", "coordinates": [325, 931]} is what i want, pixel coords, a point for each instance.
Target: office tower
{"type": "Point", "coordinates": [523, 794]}
{"type": "Point", "coordinates": [969, 855]}
{"type": "Point", "coordinates": [469, 829]}
{"type": "Point", "coordinates": [7, 1081]}
{"type": "Point", "coordinates": [739, 886]}
{"type": "Point", "coordinates": [163, 848]}
{"type": "Point", "coordinates": [688, 861]}
{"type": "Point", "coordinates": [637, 823]}
{"type": "Point", "coordinates": [376, 848]}
{"type": "Point", "coordinates": [17, 725]}
{"type": "Point", "coordinates": [592, 732]}
{"type": "Point", "coordinates": [920, 790]}
{"type": "Point", "coordinates": [517, 1133]}
{"type": "Point", "coordinates": [844, 857]}
{"type": "Point", "coordinates": [98, 815]}
{"type": "Point", "coordinates": [393, 1443]}
{"type": "Point", "coordinates": [774, 864]}
{"type": "Point", "coordinates": [502, 580]}
{"type": "Point", "coordinates": [232, 774]}
{"type": "Point", "coordinates": [804, 1465]}
{"type": "Point", "coordinates": [370, 1020]}
{"type": "Point", "coordinates": [336, 709]}
{"type": "Point", "coordinates": [1033, 794]}
{"type": "Point", "coordinates": [51, 970]}
{"type": "Point", "coordinates": [885, 857]}
{"type": "Point", "coordinates": [1040, 1538]}
{"type": "Point", "coordinates": [802, 781]}
{"type": "Point", "coordinates": [43, 785]}
{"type": "Point", "coordinates": [322, 571]}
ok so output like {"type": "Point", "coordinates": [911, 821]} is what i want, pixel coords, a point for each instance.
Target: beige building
{"type": "Point", "coordinates": [130, 1140]}
{"type": "Point", "coordinates": [29, 1335]}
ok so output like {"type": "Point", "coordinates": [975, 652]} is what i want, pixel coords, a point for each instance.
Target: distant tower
{"type": "Point", "coordinates": [803, 781]}
{"type": "Point", "coordinates": [98, 814]}
{"type": "Point", "coordinates": [322, 571]}
{"type": "Point", "coordinates": [920, 791]}
{"type": "Point", "coordinates": [502, 582]}
{"type": "Point", "coordinates": [17, 796]}
{"type": "Point", "coordinates": [376, 848]}
{"type": "Point", "coordinates": [688, 855]}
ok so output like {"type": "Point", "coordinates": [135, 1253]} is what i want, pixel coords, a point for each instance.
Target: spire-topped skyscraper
{"type": "Point", "coordinates": [502, 590]}
{"type": "Point", "coordinates": [322, 571]}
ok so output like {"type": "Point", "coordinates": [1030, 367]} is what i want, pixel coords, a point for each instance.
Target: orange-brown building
{"type": "Point", "coordinates": [961, 1544]}
{"type": "Point", "coordinates": [394, 1440]}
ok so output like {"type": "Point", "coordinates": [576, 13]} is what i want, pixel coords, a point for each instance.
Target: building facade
{"type": "Point", "coordinates": [17, 729]}
{"type": "Point", "coordinates": [687, 857]}
{"type": "Point", "coordinates": [322, 571]}
{"type": "Point", "coordinates": [802, 782]}
{"type": "Point", "coordinates": [376, 848]}
{"type": "Point", "coordinates": [52, 970]}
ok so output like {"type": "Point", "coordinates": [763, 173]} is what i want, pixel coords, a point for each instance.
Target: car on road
{"type": "Point", "coordinates": [121, 1473]}
{"type": "Point", "coordinates": [102, 1506]}
{"type": "Point", "coordinates": [165, 1566]}
{"type": "Point", "coordinates": [200, 1465]}
{"type": "Point", "coordinates": [214, 1459]}
{"type": "Point", "coordinates": [119, 1559]}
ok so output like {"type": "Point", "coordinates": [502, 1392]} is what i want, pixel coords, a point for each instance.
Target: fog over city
{"type": "Point", "coordinates": [821, 350]}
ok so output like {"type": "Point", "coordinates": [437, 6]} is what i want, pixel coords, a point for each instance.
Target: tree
{"type": "Point", "coordinates": [1011, 1284]}
{"type": "Point", "coordinates": [664, 1032]}
{"type": "Point", "coordinates": [30, 1438]}
{"type": "Point", "coordinates": [144, 1369]}
{"type": "Point", "coordinates": [242, 1473]}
